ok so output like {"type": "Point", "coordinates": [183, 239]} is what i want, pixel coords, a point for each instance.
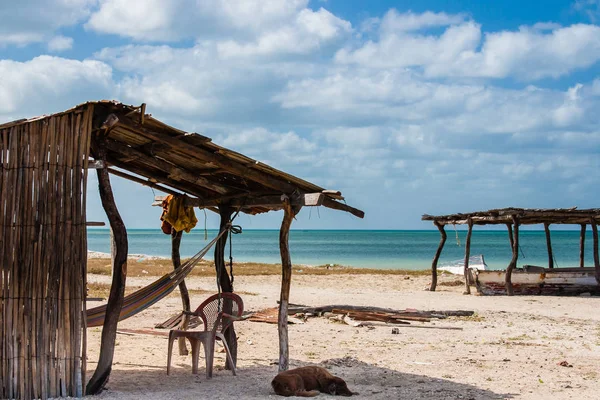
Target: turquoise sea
{"type": "Point", "coordinates": [398, 249]}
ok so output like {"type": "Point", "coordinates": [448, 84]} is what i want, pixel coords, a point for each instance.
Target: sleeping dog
{"type": "Point", "coordinates": [308, 382]}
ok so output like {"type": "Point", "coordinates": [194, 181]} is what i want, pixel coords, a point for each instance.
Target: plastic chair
{"type": "Point", "coordinates": [217, 313]}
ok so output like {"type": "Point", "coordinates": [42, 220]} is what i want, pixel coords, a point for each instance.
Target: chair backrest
{"type": "Point", "coordinates": [209, 310]}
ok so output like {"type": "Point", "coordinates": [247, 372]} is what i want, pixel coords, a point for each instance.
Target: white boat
{"type": "Point", "coordinates": [458, 267]}
{"type": "Point", "coordinates": [538, 280]}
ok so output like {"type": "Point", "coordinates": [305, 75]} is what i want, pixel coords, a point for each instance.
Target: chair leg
{"type": "Point", "coordinates": [228, 354]}
{"type": "Point", "coordinates": [195, 354]}
{"type": "Point", "coordinates": [170, 350]}
{"type": "Point", "coordinates": [209, 354]}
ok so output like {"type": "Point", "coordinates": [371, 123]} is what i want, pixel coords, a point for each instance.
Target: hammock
{"type": "Point", "coordinates": [148, 295]}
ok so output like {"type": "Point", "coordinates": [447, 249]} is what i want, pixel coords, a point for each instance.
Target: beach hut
{"type": "Point", "coordinates": [44, 164]}
{"type": "Point", "coordinates": [535, 277]}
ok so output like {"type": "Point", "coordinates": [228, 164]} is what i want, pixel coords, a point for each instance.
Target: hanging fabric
{"type": "Point", "coordinates": [176, 215]}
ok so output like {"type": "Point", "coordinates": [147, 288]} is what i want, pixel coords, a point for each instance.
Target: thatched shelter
{"type": "Point", "coordinates": [513, 218]}
{"type": "Point", "coordinates": [44, 164]}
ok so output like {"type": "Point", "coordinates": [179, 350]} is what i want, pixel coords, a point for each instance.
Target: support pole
{"type": "Point", "coordinates": [582, 246]}
{"type": "Point", "coordinates": [549, 245]}
{"type": "Point", "coordinates": [226, 285]}
{"type": "Point", "coordinates": [515, 257]}
{"type": "Point", "coordinates": [438, 253]}
{"type": "Point", "coordinates": [117, 289]}
{"type": "Point", "coordinates": [286, 279]}
{"type": "Point", "coordinates": [467, 255]}
{"type": "Point", "coordinates": [183, 291]}
{"type": "Point", "coordinates": [596, 259]}
{"type": "Point", "coordinates": [511, 239]}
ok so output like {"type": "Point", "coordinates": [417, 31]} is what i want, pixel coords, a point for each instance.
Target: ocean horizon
{"type": "Point", "coordinates": [379, 249]}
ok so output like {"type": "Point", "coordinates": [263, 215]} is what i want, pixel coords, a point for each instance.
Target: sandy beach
{"type": "Point", "coordinates": [511, 348]}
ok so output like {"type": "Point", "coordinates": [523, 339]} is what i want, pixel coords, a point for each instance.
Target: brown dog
{"type": "Point", "coordinates": [308, 382]}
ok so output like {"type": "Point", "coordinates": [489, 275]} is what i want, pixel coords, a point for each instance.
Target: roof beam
{"type": "Point", "coordinates": [336, 205]}
{"type": "Point", "coordinates": [212, 158]}
{"type": "Point", "coordinates": [273, 202]}
{"type": "Point", "coordinates": [174, 172]}
{"type": "Point", "coordinates": [270, 201]}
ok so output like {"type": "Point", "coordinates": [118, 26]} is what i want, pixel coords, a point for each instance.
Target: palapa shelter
{"type": "Point", "coordinates": [513, 218]}
{"type": "Point", "coordinates": [44, 164]}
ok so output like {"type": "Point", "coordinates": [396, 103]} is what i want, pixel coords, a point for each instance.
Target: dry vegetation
{"type": "Point", "coordinates": [101, 266]}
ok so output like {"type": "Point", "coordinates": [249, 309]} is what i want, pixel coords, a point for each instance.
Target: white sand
{"type": "Point", "coordinates": [511, 350]}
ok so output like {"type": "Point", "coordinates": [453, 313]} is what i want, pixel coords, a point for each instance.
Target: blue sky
{"type": "Point", "coordinates": [406, 107]}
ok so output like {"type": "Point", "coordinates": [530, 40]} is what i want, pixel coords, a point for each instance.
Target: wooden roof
{"type": "Point", "coordinates": [526, 216]}
{"type": "Point", "coordinates": [178, 162]}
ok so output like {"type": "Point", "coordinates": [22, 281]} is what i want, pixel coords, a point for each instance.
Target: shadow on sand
{"type": "Point", "coordinates": [134, 381]}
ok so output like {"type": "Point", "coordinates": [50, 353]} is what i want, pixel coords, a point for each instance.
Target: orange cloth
{"type": "Point", "coordinates": [176, 216]}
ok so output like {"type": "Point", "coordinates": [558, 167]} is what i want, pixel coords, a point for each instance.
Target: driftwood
{"type": "Point", "coordinates": [295, 309]}
{"type": "Point", "coordinates": [357, 315]}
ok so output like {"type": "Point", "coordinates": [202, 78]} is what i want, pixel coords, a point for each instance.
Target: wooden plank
{"type": "Point", "coordinates": [95, 223]}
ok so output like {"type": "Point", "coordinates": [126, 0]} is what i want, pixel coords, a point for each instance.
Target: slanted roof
{"type": "Point", "coordinates": [526, 216]}
{"type": "Point", "coordinates": [179, 162]}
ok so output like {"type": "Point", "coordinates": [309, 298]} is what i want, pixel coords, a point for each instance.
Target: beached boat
{"type": "Point", "coordinates": [458, 266]}
{"type": "Point", "coordinates": [538, 280]}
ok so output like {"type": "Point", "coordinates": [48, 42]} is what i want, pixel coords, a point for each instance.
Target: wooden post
{"type": "Point", "coordinates": [117, 289]}
{"type": "Point", "coordinates": [113, 246]}
{"type": "Point", "coordinates": [510, 236]}
{"type": "Point", "coordinates": [226, 285]}
{"type": "Point", "coordinates": [437, 255]}
{"type": "Point", "coordinates": [467, 255]}
{"type": "Point", "coordinates": [286, 280]}
{"type": "Point", "coordinates": [549, 245]}
{"type": "Point", "coordinates": [515, 257]}
{"type": "Point", "coordinates": [596, 259]}
{"type": "Point", "coordinates": [582, 246]}
{"type": "Point", "coordinates": [183, 291]}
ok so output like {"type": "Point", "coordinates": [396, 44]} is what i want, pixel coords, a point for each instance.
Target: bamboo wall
{"type": "Point", "coordinates": [43, 250]}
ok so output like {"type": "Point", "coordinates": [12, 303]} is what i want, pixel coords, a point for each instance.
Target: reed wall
{"type": "Point", "coordinates": [43, 249]}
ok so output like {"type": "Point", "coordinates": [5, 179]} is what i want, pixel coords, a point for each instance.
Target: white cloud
{"type": "Point", "coordinates": [394, 21]}
{"type": "Point", "coordinates": [248, 27]}
{"type": "Point", "coordinates": [60, 43]}
{"type": "Point", "coordinates": [571, 110]}
{"type": "Point", "coordinates": [530, 53]}
{"type": "Point", "coordinates": [138, 19]}
{"type": "Point", "coordinates": [29, 21]}
{"type": "Point", "coordinates": [48, 84]}
{"type": "Point", "coordinates": [308, 32]}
